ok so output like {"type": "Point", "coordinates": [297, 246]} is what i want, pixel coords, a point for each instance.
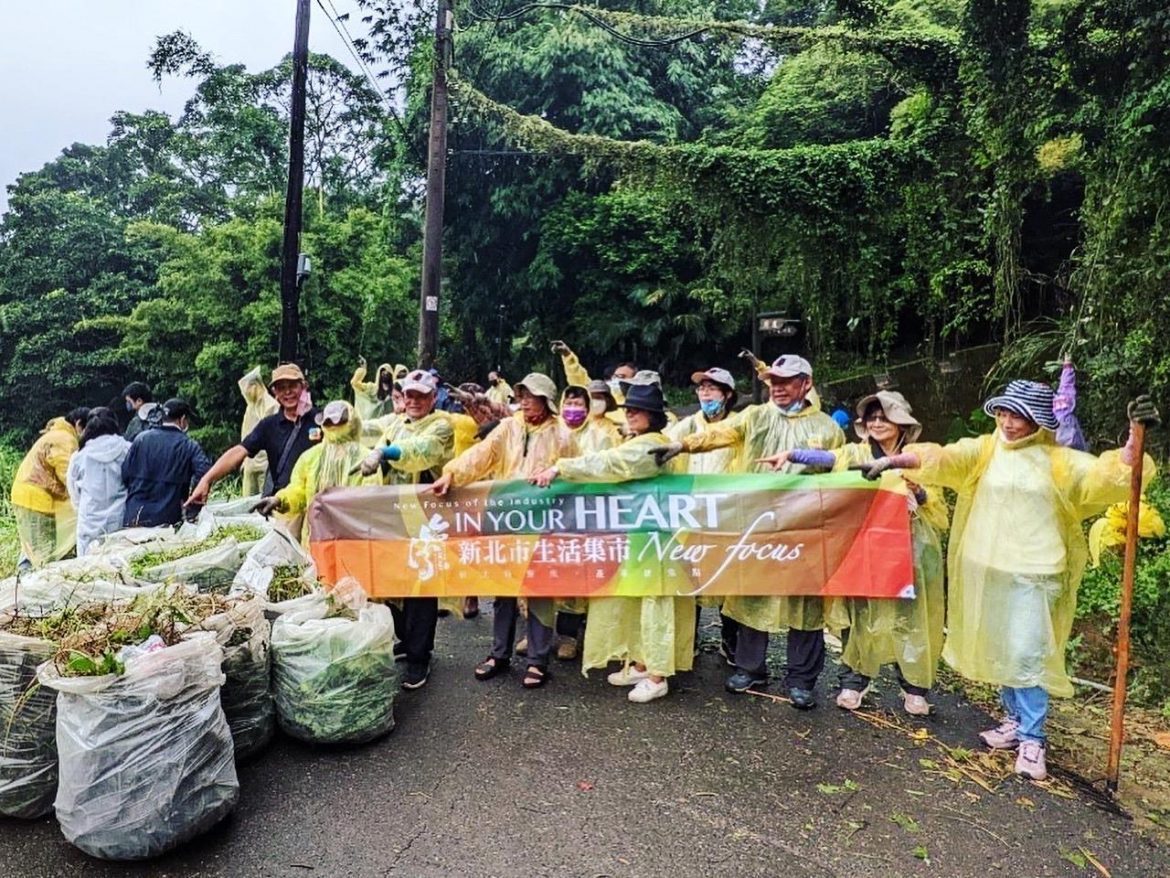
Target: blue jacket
{"type": "Point", "coordinates": [159, 471]}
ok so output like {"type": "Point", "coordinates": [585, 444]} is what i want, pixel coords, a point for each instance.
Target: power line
{"type": "Point", "coordinates": [343, 33]}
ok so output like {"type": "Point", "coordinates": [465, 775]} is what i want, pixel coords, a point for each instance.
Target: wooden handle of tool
{"type": "Point", "coordinates": [1117, 722]}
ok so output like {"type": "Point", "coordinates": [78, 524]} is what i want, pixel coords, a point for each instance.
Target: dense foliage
{"type": "Point", "coordinates": [905, 176]}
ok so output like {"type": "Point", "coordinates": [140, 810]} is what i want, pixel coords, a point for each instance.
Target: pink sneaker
{"type": "Point", "coordinates": [1030, 760]}
{"type": "Point", "coordinates": [1005, 736]}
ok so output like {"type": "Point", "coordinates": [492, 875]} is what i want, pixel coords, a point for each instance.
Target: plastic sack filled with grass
{"type": "Point", "coordinates": [245, 635]}
{"type": "Point", "coordinates": [145, 752]}
{"type": "Point", "coordinates": [28, 710]}
{"type": "Point", "coordinates": [333, 669]}
{"type": "Point", "coordinates": [208, 563]}
{"type": "Point", "coordinates": [277, 568]}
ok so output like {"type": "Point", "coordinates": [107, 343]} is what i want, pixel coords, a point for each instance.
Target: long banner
{"type": "Point", "coordinates": [753, 534]}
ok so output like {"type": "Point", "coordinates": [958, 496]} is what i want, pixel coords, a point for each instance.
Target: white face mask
{"type": "Point", "coordinates": [597, 406]}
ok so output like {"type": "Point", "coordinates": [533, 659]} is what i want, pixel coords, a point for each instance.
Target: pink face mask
{"type": "Point", "coordinates": [574, 417]}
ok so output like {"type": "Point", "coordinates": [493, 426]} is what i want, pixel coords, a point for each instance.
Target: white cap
{"type": "Point", "coordinates": [419, 381]}
{"type": "Point", "coordinates": [789, 366]}
{"type": "Point", "coordinates": [715, 375]}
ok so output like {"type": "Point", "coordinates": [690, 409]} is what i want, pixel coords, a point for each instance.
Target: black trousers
{"type": "Point", "coordinates": [415, 624]}
{"type": "Point", "coordinates": [505, 611]}
{"type": "Point", "coordinates": [805, 655]}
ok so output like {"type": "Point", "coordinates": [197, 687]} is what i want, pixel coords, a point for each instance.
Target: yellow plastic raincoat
{"type": "Point", "coordinates": [758, 431]}
{"type": "Point", "coordinates": [325, 465]}
{"type": "Point", "coordinates": [906, 632]}
{"type": "Point", "coordinates": [259, 405]}
{"type": "Point", "coordinates": [720, 460]}
{"type": "Point", "coordinates": [1017, 551]}
{"type": "Point", "coordinates": [45, 519]}
{"type": "Point", "coordinates": [1109, 530]}
{"type": "Point", "coordinates": [516, 450]}
{"type": "Point", "coordinates": [499, 393]}
{"type": "Point", "coordinates": [426, 444]}
{"type": "Point", "coordinates": [365, 393]}
{"type": "Point", "coordinates": [658, 632]}
{"type": "Point", "coordinates": [464, 428]}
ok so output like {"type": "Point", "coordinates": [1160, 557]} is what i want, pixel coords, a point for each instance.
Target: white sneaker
{"type": "Point", "coordinates": [627, 676]}
{"type": "Point", "coordinates": [648, 690]}
{"type": "Point", "coordinates": [849, 699]}
{"type": "Point", "coordinates": [1030, 761]}
{"type": "Point", "coordinates": [916, 705]}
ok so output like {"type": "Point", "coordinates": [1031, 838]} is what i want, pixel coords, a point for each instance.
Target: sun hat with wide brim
{"type": "Point", "coordinates": [539, 385]}
{"type": "Point", "coordinates": [334, 414]}
{"type": "Point", "coordinates": [647, 397]}
{"type": "Point", "coordinates": [1028, 399]}
{"type": "Point", "coordinates": [600, 387]}
{"type": "Point", "coordinates": [897, 411]}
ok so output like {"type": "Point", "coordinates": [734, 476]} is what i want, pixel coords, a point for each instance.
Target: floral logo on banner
{"type": "Point", "coordinates": [426, 550]}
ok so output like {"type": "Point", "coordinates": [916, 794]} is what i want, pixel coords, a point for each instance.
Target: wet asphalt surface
{"type": "Point", "coordinates": [488, 779]}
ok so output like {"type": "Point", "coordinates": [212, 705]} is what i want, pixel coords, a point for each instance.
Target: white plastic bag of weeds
{"type": "Point", "coordinates": [245, 635]}
{"type": "Point", "coordinates": [210, 570]}
{"type": "Point", "coordinates": [277, 550]}
{"type": "Point", "coordinates": [69, 583]}
{"type": "Point", "coordinates": [28, 735]}
{"type": "Point", "coordinates": [146, 758]}
{"type": "Point", "coordinates": [334, 677]}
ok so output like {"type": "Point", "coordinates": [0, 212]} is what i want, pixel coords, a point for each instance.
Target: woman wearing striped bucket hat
{"type": "Point", "coordinates": [1017, 551]}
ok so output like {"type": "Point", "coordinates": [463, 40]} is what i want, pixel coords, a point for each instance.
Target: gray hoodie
{"type": "Point", "coordinates": [96, 488]}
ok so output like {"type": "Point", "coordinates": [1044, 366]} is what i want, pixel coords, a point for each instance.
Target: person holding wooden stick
{"type": "Point", "coordinates": [1017, 551]}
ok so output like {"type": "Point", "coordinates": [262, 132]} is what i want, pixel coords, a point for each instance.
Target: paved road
{"type": "Point", "coordinates": [486, 779]}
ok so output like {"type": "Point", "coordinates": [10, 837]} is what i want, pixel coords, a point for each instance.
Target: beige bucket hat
{"type": "Point", "coordinates": [897, 411]}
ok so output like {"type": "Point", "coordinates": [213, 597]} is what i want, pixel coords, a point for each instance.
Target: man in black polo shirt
{"type": "Point", "coordinates": [285, 435]}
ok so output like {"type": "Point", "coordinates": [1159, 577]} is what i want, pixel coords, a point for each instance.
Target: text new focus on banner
{"type": "Point", "coordinates": [672, 535]}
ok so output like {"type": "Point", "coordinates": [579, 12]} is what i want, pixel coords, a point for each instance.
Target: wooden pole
{"type": "Point", "coordinates": [1117, 723]}
{"type": "Point", "coordinates": [290, 294]}
{"type": "Point", "coordinates": [432, 264]}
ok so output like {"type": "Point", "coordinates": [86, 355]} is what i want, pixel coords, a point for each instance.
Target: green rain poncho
{"type": "Point", "coordinates": [1017, 551]}
{"type": "Point", "coordinates": [426, 444]}
{"type": "Point", "coordinates": [895, 630]}
{"type": "Point", "coordinates": [659, 632]}
{"type": "Point", "coordinates": [755, 432]}
{"type": "Point", "coordinates": [326, 465]}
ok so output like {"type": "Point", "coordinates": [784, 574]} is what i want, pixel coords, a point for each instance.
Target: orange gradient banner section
{"type": "Point", "coordinates": [754, 534]}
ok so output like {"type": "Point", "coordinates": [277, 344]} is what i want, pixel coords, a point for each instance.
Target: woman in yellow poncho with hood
{"type": "Point", "coordinates": [1017, 552]}
{"type": "Point", "coordinates": [905, 632]}
{"type": "Point", "coordinates": [333, 463]}
{"type": "Point", "coordinates": [260, 404]}
{"type": "Point", "coordinates": [45, 519]}
{"type": "Point", "coordinates": [654, 637]}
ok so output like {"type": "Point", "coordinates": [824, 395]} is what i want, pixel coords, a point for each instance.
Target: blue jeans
{"type": "Point", "coordinates": [1029, 707]}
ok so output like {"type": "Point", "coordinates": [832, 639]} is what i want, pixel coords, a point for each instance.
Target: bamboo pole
{"type": "Point", "coordinates": [1117, 723]}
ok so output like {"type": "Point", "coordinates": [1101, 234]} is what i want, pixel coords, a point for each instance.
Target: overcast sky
{"type": "Point", "coordinates": [66, 66]}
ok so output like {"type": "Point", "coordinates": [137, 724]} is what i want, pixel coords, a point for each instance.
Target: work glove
{"type": "Point", "coordinates": [269, 505]}
{"type": "Point", "coordinates": [559, 347]}
{"type": "Point", "coordinates": [1144, 412]}
{"type": "Point", "coordinates": [663, 454]}
{"type": "Point", "coordinates": [371, 463]}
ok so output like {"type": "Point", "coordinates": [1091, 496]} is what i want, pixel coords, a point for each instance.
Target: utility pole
{"type": "Point", "coordinates": [290, 323]}
{"type": "Point", "coordinates": [432, 267]}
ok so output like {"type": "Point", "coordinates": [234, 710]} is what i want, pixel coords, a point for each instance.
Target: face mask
{"type": "Point", "coordinates": [129, 406]}
{"type": "Point", "coordinates": [711, 408]}
{"type": "Point", "coordinates": [597, 406]}
{"type": "Point", "coordinates": [574, 417]}
{"type": "Point", "coordinates": [795, 408]}
{"type": "Point", "coordinates": [494, 382]}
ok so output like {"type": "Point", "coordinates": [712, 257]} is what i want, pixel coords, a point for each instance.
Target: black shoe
{"type": "Point", "coordinates": [742, 681]}
{"type": "Point", "coordinates": [444, 613]}
{"type": "Point", "coordinates": [802, 699]}
{"type": "Point", "coordinates": [415, 676]}
{"type": "Point", "coordinates": [400, 651]}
